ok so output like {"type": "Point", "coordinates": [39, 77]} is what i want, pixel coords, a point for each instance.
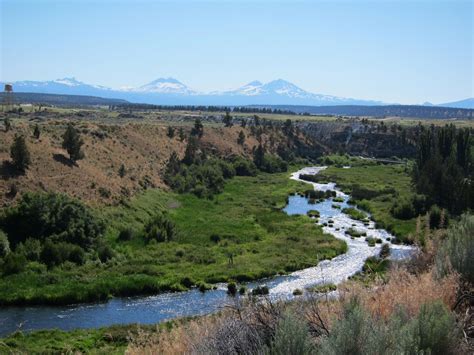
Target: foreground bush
{"type": "Point", "coordinates": [457, 249]}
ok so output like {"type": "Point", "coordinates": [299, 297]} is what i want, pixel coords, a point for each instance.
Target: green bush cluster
{"type": "Point", "coordinates": [58, 229]}
{"type": "Point", "coordinates": [160, 228]}
{"type": "Point", "coordinates": [433, 331]}
{"type": "Point", "coordinates": [54, 216]}
{"type": "Point", "coordinates": [456, 251]}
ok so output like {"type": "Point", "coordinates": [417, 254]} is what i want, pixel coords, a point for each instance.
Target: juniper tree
{"type": "Point", "coordinates": [227, 119]}
{"type": "Point", "coordinates": [37, 132]}
{"type": "Point", "coordinates": [241, 139]}
{"type": "Point", "coordinates": [170, 132]}
{"type": "Point", "coordinates": [72, 142]}
{"type": "Point", "coordinates": [19, 154]}
{"type": "Point", "coordinates": [198, 129]}
{"type": "Point", "coordinates": [7, 123]}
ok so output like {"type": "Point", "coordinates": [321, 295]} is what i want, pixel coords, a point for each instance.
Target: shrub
{"type": "Point", "coordinates": [354, 213]}
{"type": "Point", "coordinates": [403, 210]}
{"type": "Point", "coordinates": [125, 234]}
{"type": "Point", "coordinates": [13, 263]}
{"type": "Point", "coordinates": [105, 253]}
{"type": "Point", "coordinates": [30, 248]}
{"type": "Point", "coordinates": [48, 215]}
{"type": "Point", "coordinates": [72, 142]}
{"type": "Point", "coordinates": [260, 290]}
{"type": "Point", "coordinates": [385, 251]}
{"type": "Point", "coordinates": [297, 292]}
{"type": "Point", "coordinates": [215, 238]}
{"type": "Point", "coordinates": [160, 228]}
{"type": "Point", "coordinates": [56, 253]}
{"type": "Point", "coordinates": [244, 167]}
{"type": "Point", "coordinates": [232, 288]}
{"type": "Point", "coordinates": [438, 217]}
{"type": "Point", "coordinates": [433, 331]}
{"type": "Point", "coordinates": [4, 245]}
{"type": "Point", "coordinates": [242, 290]}
{"type": "Point", "coordinates": [354, 333]}
{"type": "Point", "coordinates": [456, 251]}
{"type": "Point", "coordinates": [291, 337]}
{"type": "Point", "coordinates": [20, 154]}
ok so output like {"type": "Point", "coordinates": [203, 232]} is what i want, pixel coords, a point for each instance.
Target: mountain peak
{"type": "Point", "coordinates": [165, 86]}
{"type": "Point", "coordinates": [165, 80]}
{"type": "Point", "coordinates": [68, 81]}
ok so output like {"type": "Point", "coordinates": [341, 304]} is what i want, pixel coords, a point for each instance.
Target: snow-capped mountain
{"type": "Point", "coordinates": [282, 91]}
{"type": "Point", "coordinates": [165, 86]}
{"type": "Point", "coordinates": [169, 91]}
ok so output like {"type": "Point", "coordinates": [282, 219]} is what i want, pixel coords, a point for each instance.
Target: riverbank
{"type": "Point", "coordinates": [168, 306]}
{"type": "Point", "coordinates": [377, 188]}
{"type": "Point", "coordinates": [240, 235]}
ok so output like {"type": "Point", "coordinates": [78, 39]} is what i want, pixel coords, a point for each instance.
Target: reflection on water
{"type": "Point", "coordinates": [154, 309]}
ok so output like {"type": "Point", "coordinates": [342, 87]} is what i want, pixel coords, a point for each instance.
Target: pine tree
{"type": "Point", "coordinates": [182, 135]}
{"type": "Point", "coordinates": [259, 156]}
{"type": "Point", "coordinates": [227, 119]}
{"type": "Point", "coordinates": [241, 139]}
{"type": "Point", "coordinates": [191, 150]}
{"type": "Point", "coordinates": [170, 132]}
{"type": "Point", "coordinates": [122, 171]}
{"type": "Point", "coordinates": [7, 123]}
{"type": "Point", "coordinates": [198, 129]}
{"type": "Point", "coordinates": [72, 142]}
{"type": "Point", "coordinates": [20, 154]}
{"type": "Point", "coordinates": [37, 132]}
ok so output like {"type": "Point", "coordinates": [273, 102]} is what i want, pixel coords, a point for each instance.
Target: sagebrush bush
{"type": "Point", "coordinates": [456, 251]}
{"type": "Point", "coordinates": [291, 337]}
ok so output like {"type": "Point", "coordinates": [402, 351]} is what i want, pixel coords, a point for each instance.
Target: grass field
{"type": "Point", "coordinates": [246, 217]}
{"type": "Point", "coordinates": [383, 185]}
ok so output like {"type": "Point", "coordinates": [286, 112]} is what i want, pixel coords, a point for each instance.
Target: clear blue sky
{"type": "Point", "coordinates": [395, 51]}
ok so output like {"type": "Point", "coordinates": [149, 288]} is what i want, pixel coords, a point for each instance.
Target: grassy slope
{"type": "Point", "coordinates": [246, 216]}
{"type": "Point", "coordinates": [378, 178]}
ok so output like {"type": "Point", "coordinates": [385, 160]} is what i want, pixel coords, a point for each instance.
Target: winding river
{"type": "Point", "coordinates": [166, 306]}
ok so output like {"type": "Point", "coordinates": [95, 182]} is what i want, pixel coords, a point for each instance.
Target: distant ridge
{"type": "Point", "coordinates": [63, 100]}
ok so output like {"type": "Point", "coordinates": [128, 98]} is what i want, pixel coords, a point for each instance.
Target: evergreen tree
{"type": "Point", "coordinates": [182, 135]}
{"type": "Point", "coordinates": [227, 119]}
{"type": "Point", "coordinates": [19, 154]}
{"type": "Point", "coordinates": [72, 142]}
{"type": "Point", "coordinates": [241, 139]}
{"type": "Point", "coordinates": [198, 129]}
{"type": "Point", "coordinates": [7, 123]}
{"type": "Point", "coordinates": [259, 156]}
{"type": "Point", "coordinates": [170, 132]}
{"type": "Point", "coordinates": [191, 150]}
{"type": "Point", "coordinates": [37, 132]}
{"type": "Point", "coordinates": [122, 171]}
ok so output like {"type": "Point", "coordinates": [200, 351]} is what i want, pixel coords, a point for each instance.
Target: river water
{"type": "Point", "coordinates": [166, 306]}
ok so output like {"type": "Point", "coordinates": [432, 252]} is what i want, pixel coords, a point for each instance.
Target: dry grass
{"type": "Point", "coordinates": [143, 148]}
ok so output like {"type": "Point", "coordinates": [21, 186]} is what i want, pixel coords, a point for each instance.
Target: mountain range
{"type": "Point", "coordinates": [169, 91]}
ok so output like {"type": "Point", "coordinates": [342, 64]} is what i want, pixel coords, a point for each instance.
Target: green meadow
{"type": "Point", "coordinates": [241, 234]}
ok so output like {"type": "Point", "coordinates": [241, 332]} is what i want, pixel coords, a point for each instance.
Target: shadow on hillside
{"type": "Point", "coordinates": [60, 158]}
{"type": "Point", "coordinates": [8, 171]}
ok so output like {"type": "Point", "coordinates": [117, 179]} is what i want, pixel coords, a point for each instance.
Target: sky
{"type": "Point", "coordinates": [393, 51]}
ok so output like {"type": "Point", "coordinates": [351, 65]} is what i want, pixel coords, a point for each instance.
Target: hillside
{"type": "Point", "coordinates": [143, 147]}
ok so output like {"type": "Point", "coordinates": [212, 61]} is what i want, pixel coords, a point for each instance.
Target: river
{"type": "Point", "coordinates": [166, 306]}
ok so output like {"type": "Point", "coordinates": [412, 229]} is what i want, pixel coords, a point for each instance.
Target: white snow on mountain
{"type": "Point", "coordinates": [165, 86]}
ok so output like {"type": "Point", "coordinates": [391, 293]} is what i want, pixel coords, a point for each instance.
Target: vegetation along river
{"type": "Point", "coordinates": [166, 306]}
